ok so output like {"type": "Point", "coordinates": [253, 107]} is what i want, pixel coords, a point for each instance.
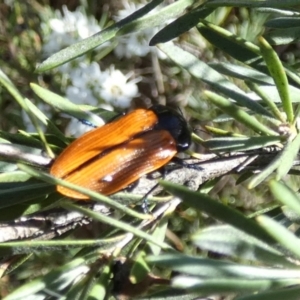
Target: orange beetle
{"type": "Point", "coordinates": [109, 158]}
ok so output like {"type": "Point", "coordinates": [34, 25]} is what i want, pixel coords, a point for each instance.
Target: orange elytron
{"type": "Point", "coordinates": [109, 158]}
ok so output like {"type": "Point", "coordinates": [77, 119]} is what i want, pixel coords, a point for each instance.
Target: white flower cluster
{"type": "Point", "coordinates": [68, 28]}
{"type": "Point", "coordinates": [88, 84]}
{"type": "Point", "coordinates": [135, 43]}
{"type": "Point", "coordinates": [85, 82]}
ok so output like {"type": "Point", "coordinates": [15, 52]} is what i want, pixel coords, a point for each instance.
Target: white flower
{"type": "Point", "coordinates": [76, 128]}
{"type": "Point", "coordinates": [129, 8]}
{"type": "Point", "coordinates": [57, 41]}
{"type": "Point", "coordinates": [86, 82]}
{"type": "Point", "coordinates": [135, 43]}
{"type": "Point", "coordinates": [81, 96]}
{"type": "Point", "coordinates": [75, 22]}
{"type": "Point", "coordinates": [87, 75]}
{"type": "Point", "coordinates": [69, 28]}
{"type": "Point", "coordinates": [117, 90]}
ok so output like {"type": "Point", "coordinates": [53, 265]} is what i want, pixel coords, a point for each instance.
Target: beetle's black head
{"type": "Point", "coordinates": [172, 121]}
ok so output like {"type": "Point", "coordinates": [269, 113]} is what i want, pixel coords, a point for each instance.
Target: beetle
{"type": "Point", "coordinates": [110, 158]}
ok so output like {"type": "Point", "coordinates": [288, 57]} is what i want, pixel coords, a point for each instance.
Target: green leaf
{"type": "Point", "coordinates": [205, 268]}
{"type": "Point", "coordinates": [116, 223]}
{"type": "Point", "coordinates": [140, 269]}
{"type": "Point", "coordinates": [285, 195]}
{"type": "Point", "coordinates": [82, 287]}
{"type": "Point", "coordinates": [284, 237]}
{"type": "Point", "coordinates": [38, 203]}
{"type": "Point", "coordinates": [134, 22]}
{"type": "Point", "coordinates": [283, 36]}
{"type": "Point", "coordinates": [241, 72]}
{"type": "Point", "coordinates": [99, 289]}
{"type": "Point", "coordinates": [171, 294]}
{"type": "Point", "coordinates": [62, 276]}
{"type": "Point", "coordinates": [253, 3]}
{"type": "Point", "coordinates": [217, 210]}
{"type": "Point", "coordinates": [18, 261]}
{"type": "Point", "coordinates": [225, 40]}
{"type": "Point", "coordinates": [93, 195]}
{"type": "Point", "coordinates": [204, 72]}
{"type": "Point", "coordinates": [7, 83]}
{"type": "Point", "coordinates": [273, 165]}
{"type": "Point", "coordinates": [272, 92]}
{"type": "Point", "coordinates": [288, 156]}
{"type": "Point", "coordinates": [283, 22]}
{"type": "Point", "coordinates": [229, 241]}
{"type": "Point", "coordinates": [238, 114]}
{"type": "Point", "coordinates": [70, 108]}
{"type": "Point", "coordinates": [226, 285]}
{"type": "Point", "coordinates": [15, 176]}
{"type": "Point", "coordinates": [22, 139]}
{"type": "Point", "coordinates": [160, 234]}
{"type": "Point", "coordinates": [180, 25]}
{"type": "Point", "coordinates": [44, 119]}
{"type": "Point", "coordinates": [139, 21]}
{"type": "Point", "coordinates": [66, 244]}
{"type": "Point", "coordinates": [278, 11]}
{"type": "Point", "coordinates": [267, 98]}
{"type": "Point", "coordinates": [277, 71]}
{"type": "Point", "coordinates": [240, 143]}
{"type": "Point", "coordinates": [289, 293]}
{"type": "Point", "coordinates": [23, 193]}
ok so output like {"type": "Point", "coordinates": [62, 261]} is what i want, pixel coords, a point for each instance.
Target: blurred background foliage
{"type": "Point", "coordinates": [233, 69]}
